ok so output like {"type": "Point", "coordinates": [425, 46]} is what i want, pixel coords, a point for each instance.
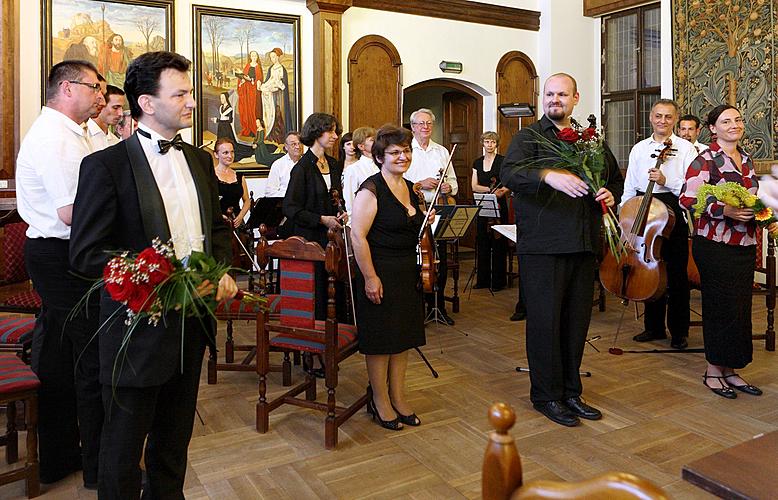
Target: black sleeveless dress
{"type": "Point", "coordinates": [397, 323]}
{"type": "Point", "coordinates": [230, 195]}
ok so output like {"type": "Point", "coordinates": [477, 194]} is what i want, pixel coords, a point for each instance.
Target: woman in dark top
{"type": "Point", "coordinates": [491, 263]}
{"type": "Point", "coordinates": [308, 205]}
{"type": "Point", "coordinates": [232, 186]}
{"type": "Point", "coordinates": [224, 128]}
{"type": "Point", "coordinates": [390, 312]}
{"type": "Point", "coordinates": [724, 250]}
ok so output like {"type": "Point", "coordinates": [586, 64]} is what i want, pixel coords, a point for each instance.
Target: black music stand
{"type": "Point", "coordinates": [266, 211]}
{"type": "Point", "coordinates": [489, 209]}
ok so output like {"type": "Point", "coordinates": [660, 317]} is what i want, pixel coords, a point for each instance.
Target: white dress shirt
{"type": "Point", "coordinates": [99, 139]}
{"type": "Point", "coordinates": [179, 194]}
{"type": "Point", "coordinates": [700, 147]}
{"type": "Point", "coordinates": [278, 179]}
{"type": "Point", "coordinates": [47, 172]}
{"type": "Point", "coordinates": [674, 167]}
{"type": "Point", "coordinates": [427, 163]}
{"type": "Point", "coordinates": [354, 176]}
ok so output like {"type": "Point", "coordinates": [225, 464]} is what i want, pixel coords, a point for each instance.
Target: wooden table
{"type": "Point", "coordinates": [745, 471]}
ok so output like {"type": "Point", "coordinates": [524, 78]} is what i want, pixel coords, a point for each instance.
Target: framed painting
{"type": "Point", "coordinates": [247, 82]}
{"type": "Point", "coordinates": [108, 33]}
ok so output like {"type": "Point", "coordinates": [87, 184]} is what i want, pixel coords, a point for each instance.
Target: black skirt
{"type": "Point", "coordinates": [726, 278]}
{"type": "Point", "coordinates": [397, 323]}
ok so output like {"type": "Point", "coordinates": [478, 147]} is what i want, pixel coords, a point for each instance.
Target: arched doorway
{"type": "Point", "coordinates": [517, 81]}
{"type": "Point", "coordinates": [374, 82]}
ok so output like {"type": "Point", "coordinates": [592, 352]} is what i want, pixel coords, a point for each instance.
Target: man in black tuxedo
{"type": "Point", "coordinates": [151, 185]}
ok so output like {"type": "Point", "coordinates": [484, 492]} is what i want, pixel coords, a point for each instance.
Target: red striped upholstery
{"type": "Point", "coordinates": [16, 331]}
{"type": "Point", "coordinates": [14, 237]}
{"type": "Point", "coordinates": [27, 300]}
{"type": "Point", "coordinates": [15, 376]}
{"type": "Point", "coordinates": [237, 309]}
{"type": "Point", "coordinates": [346, 335]}
{"type": "Point", "coordinates": [298, 289]}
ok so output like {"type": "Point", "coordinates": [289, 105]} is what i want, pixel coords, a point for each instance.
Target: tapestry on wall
{"type": "Point", "coordinates": [723, 52]}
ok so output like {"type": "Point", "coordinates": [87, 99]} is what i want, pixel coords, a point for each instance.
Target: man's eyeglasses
{"type": "Point", "coordinates": [423, 124]}
{"type": "Point", "coordinates": [94, 86]}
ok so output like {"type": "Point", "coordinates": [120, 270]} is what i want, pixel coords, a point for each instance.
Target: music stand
{"type": "Point", "coordinates": [491, 210]}
{"type": "Point", "coordinates": [266, 211]}
{"type": "Point", "coordinates": [452, 222]}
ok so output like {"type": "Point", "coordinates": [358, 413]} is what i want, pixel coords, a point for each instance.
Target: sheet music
{"type": "Point", "coordinates": [488, 204]}
{"type": "Point", "coordinates": [507, 230]}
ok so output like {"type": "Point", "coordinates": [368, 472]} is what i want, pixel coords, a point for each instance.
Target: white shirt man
{"type": "Point", "coordinates": [98, 138]}
{"type": "Point", "coordinates": [354, 176]}
{"type": "Point", "coordinates": [278, 179]}
{"type": "Point", "coordinates": [689, 128]}
{"type": "Point", "coordinates": [673, 168]}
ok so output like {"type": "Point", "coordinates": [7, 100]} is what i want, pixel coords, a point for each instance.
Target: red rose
{"type": "Point", "coordinates": [155, 265]}
{"type": "Point", "coordinates": [589, 133]}
{"type": "Point", "coordinates": [141, 298]}
{"type": "Point", "coordinates": [568, 135]}
{"type": "Point", "coordinates": [116, 276]}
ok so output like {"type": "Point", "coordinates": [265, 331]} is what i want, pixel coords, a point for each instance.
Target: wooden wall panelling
{"type": "Point", "coordinates": [517, 81]}
{"type": "Point", "coordinates": [9, 95]}
{"type": "Point", "coordinates": [327, 29]}
{"type": "Point", "coordinates": [460, 10]}
{"type": "Point", "coordinates": [597, 8]}
{"type": "Point", "coordinates": [374, 83]}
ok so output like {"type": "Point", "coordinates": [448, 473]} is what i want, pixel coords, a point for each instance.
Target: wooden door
{"type": "Point", "coordinates": [374, 82]}
{"type": "Point", "coordinates": [517, 81]}
{"type": "Point", "coordinates": [462, 125]}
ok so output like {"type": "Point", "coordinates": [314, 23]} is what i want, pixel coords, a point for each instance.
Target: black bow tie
{"type": "Point", "coordinates": [175, 142]}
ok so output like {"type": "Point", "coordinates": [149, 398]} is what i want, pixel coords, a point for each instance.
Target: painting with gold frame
{"type": "Point", "coordinates": [247, 82]}
{"type": "Point", "coordinates": [108, 33]}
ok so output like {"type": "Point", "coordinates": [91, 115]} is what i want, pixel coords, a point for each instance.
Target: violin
{"type": "Point", "coordinates": [343, 241]}
{"type": "Point", "coordinates": [639, 274]}
{"type": "Point", "coordinates": [444, 198]}
{"type": "Point", "coordinates": [427, 249]}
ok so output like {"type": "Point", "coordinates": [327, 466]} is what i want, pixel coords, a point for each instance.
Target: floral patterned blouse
{"type": "Point", "coordinates": [714, 166]}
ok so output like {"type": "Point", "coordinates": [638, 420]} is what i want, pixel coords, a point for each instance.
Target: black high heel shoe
{"type": "Point", "coordinates": [411, 419]}
{"type": "Point", "coordinates": [392, 425]}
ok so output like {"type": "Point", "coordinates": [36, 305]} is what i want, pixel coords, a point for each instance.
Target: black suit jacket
{"type": "Point", "coordinates": [119, 207]}
{"type": "Point", "coordinates": [307, 198]}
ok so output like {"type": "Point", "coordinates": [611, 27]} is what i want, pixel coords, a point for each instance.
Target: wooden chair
{"type": "Point", "coordinates": [297, 330]}
{"type": "Point", "coordinates": [16, 293]}
{"type": "Point", "coordinates": [502, 477]}
{"type": "Point", "coordinates": [452, 263]}
{"type": "Point", "coordinates": [19, 384]}
{"type": "Point", "coordinates": [16, 335]}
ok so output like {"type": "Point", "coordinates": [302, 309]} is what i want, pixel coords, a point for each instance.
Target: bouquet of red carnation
{"type": "Point", "coordinates": [154, 283]}
{"type": "Point", "coordinates": [580, 151]}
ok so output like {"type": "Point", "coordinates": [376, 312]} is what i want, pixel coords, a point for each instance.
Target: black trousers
{"type": "Point", "coordinates": [65, 359]}
{"type": "Point", "coordinates": [675, 302]}
{"type": "Point", "coordinates": [442, 278]}
{"type": "Point", "coordinates": [492, 262]}
{"type": "Point", "coordinates": [558, 294]}
{"type": "Point", "coordinates": [163, 417]}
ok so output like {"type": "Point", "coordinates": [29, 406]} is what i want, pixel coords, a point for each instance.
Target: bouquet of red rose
{"type": "Point", "coordinates": [580, 151]}
{"type": "Point", "coordinates": [154, 283]}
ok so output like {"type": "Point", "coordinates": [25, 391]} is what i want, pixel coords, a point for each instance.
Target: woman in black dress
{"type": "Point", "coordinates": [308, 205]}
{"type": "Point", "coordinates": [390, 312]}
{"type": "Point", "coordinates": [232, 186]}
{"type": "Point", "coordinates": [491, 263]}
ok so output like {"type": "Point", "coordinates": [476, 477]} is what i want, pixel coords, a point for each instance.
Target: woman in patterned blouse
{"type": "Point", "coordinates": [724, 249]}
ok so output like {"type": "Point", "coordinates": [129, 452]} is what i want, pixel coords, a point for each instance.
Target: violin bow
{"type": "Point", "coordinates": [438, 188]}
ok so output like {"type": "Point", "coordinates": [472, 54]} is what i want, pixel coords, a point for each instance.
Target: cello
{"type": "Point", "coordinates": [639, 274]}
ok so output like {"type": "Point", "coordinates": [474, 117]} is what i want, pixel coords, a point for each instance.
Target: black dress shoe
{"type": "Point", "coordinates": [725, 391]}
{"type": "Point", "coordinates": [582, 409]}
{"type": "Point", "coordinates": [557, 412]}
{"type": "Point", "coordinates": [747, 388]}
{"type": "Point", "coordinates": [519, 316]}
{"type": "Point", "coordinates": [648, 336]}
{"type": "Point", "coordinates": [679, 343]}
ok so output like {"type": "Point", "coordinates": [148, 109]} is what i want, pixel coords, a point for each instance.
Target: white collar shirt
{"type": "Point", "coordinates": [354, 176]}
{"type": "Point", "coordinates": [428, 163]}
{"type": "Point", "coordinates": [278, 179]}
{"type": "Point", "coordinates": [700, 147]}
{"type": "Point", "coordinates": [99, 139]}
{"type": "Point", "coordinates": [179, 194]}
{"type": "Point", "coordinates": [47, 172]}
{"type": "Point", "coordinates": [674, 167]}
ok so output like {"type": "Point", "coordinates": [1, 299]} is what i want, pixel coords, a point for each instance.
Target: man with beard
{"type": "Point", "coordinates": [114, 60]}
{"type": "Point", "coordinates": [557, 237]}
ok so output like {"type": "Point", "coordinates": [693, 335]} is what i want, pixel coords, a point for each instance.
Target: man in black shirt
{"type": "Point", "coordinates": [557, 239]}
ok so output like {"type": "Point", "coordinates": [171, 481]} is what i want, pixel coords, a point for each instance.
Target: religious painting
{"type": "Point", "coordinates": [724, 54]}
{"type": "Point", "coordinates": [247, 82]}
{"type": "Point", "coordinates": [108, 34]}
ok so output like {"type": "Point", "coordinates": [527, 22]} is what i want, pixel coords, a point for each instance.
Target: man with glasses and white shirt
{"type": "Point", "coordinates": [278, 179]}
{"type": "Point", "coordinates": [429, 158]}
{"type": "Point", "coordinates": [69, 399]}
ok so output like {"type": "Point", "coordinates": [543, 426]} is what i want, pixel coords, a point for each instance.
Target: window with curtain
{"type": "Point", "coordinates": [631, 76]}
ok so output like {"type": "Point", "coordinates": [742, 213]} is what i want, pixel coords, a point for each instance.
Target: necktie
{"type": "Point", "coordinates": [176, 142]}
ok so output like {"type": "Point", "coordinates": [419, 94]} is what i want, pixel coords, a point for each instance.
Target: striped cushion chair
{"type": "Point", "coordinates": [16, 335]}
{"type": "Point", "coordinates": [297, 329]}
{"type": "Point", "coordinates": [16, 293]}
{"type": "Point", "coordinates": [19, 384]}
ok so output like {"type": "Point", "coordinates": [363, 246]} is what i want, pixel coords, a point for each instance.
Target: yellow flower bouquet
{"type": "Point", "coordinates": [735, 195]}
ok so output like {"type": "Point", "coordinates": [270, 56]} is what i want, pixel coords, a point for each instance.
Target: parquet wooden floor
{"type": "Point", "coordinates": [657, 417]}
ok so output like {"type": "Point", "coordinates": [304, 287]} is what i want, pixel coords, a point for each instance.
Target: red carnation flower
{"type": "Point", "coordinates": [568, 135]}
{"type": "Point", "coordinates": [157, 266]}
{"type": "Point", "coordinates": [589, 133]}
